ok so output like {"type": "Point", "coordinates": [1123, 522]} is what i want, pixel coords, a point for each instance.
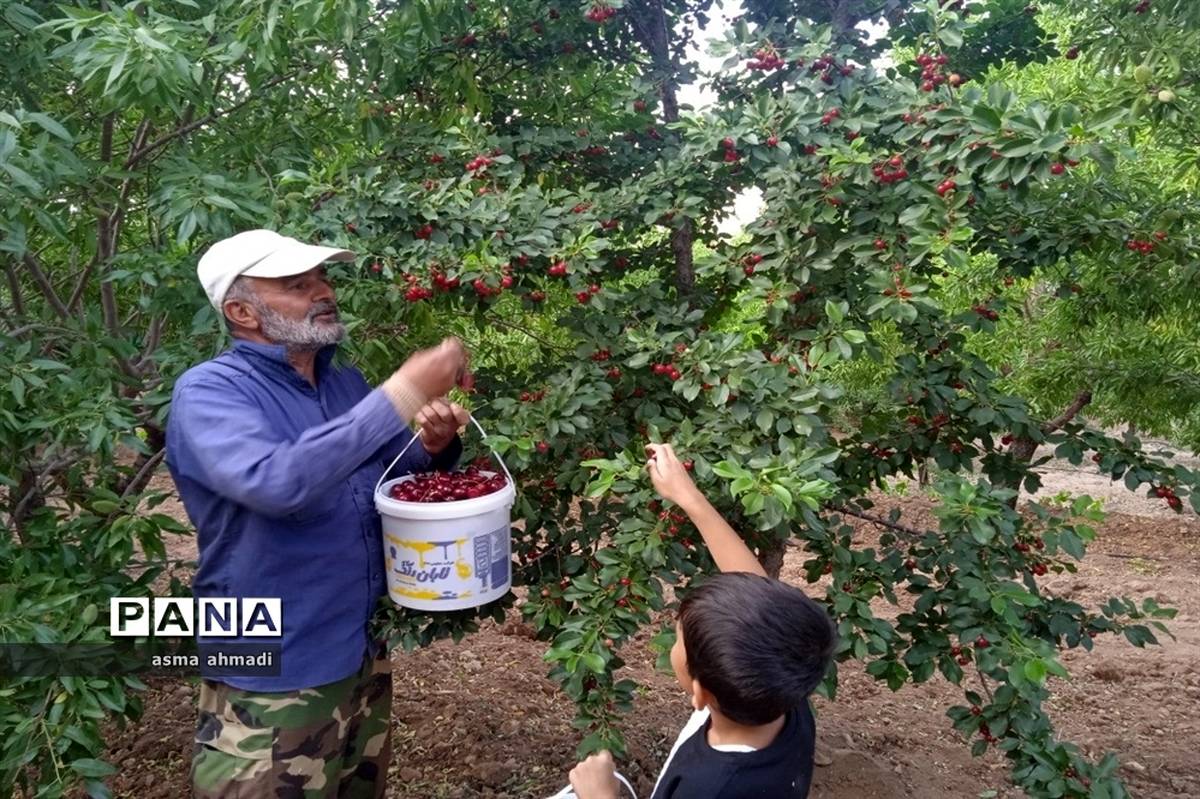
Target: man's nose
{"type": "Point", "coordinates": [324, 292]}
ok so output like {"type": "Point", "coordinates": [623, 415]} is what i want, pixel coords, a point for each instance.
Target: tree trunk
{"type": "Point", "coordinates": [24, 500]}
{"type": "Point", "coordinates": [681, 245]}
{"type": "Point", "coordinates": [1022, 449]}
{"type": "Point", "coordinates": [771, 557]}
{"type": "Point", "coordinates": [651, 26]}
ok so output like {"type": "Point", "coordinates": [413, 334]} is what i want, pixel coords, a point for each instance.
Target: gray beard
{"type": "Point", "coordinates": [307, 335]}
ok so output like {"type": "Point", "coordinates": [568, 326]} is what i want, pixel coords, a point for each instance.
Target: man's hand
{"type": "Point", "coordinates": [433, 372]}
{"type": "Point", "coordinates": [596, 778]}
{"type": "Point", "coordinates": [439, 422]}
{"type": "Point", "coordinates": [669, 476]}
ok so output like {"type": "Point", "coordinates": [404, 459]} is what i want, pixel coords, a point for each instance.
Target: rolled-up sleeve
{"type": "Point", "coordinates": [222, 441]}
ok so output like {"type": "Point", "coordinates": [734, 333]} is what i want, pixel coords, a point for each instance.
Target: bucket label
{"type": "Point", "coordinates": [500, 557]}
{"type": "Point", "coordinates": [448, 570]}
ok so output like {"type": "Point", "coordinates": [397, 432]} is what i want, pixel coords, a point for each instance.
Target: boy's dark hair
{"type": "Point", "coordinates": [758, 645]}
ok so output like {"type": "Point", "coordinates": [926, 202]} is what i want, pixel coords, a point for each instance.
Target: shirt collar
{"type": "Point", "coordinates": [272, 358]}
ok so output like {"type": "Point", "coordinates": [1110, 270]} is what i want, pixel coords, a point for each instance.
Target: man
{"type": "Point", "coordinates": [275, 452]}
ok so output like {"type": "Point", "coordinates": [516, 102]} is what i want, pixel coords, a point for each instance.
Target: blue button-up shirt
{"type": "Point", "coordinates": [278, 478]}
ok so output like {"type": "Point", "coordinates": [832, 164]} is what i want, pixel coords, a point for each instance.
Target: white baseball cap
{"type": "Point", "coordinates": [259, 253]}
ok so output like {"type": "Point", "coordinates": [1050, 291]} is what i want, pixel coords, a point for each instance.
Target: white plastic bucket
{"type": "Point", "coordinates": [446, 555]}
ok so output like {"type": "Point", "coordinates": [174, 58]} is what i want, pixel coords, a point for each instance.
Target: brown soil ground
{"type": "Point", "coordinates": [480, 719]}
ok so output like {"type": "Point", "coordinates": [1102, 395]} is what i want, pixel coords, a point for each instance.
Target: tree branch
{"type": "Point", "coordinates": [184, 130]}
{"type": "Point", "coordinates": [35, 269]}
{"type": "Point", "coordinates": [108, 304]}
{"type": "Point", "coordinates": [108, 226]}
{"type": "Point", "coordinates": [153, 337]}
{"type": "Point", "coordinates": [17, 332]}
{"type": "Point", "coordinates": [547, 344]}
{"type": "Point", "coordinates": [30, 489]}
{"type": "Point", "coordinates": [139, 480]}
{"type": "Point", "coordinates": [911, 532]}
{"type": "Point", "coordinates": [1081, 399]}
{"type": "Point", "coordinates": [106, 137]}
{"type": "Point", "coordinates": [14, 290]}
{"type": "Point", "coordinates": [983, 682]}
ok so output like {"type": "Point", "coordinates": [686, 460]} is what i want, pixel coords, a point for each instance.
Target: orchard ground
{"type": "Point", "coordinates": [480, 719]}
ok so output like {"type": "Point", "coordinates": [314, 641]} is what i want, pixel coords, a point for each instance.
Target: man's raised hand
{"type": "Point", "coordinates": [433, 372]}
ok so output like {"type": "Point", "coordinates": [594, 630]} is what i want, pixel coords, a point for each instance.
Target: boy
{"type": "Point", "coordinates": [749, 650]}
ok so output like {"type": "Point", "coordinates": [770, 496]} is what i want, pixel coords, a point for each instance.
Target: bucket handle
{"type": "Point", "coordinates": [416, 437]}
{"type": "Point", "coordinates": [567, 793]}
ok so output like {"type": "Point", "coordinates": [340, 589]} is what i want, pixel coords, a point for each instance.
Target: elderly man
{"type": "Point", "coordinates": [275, 451]}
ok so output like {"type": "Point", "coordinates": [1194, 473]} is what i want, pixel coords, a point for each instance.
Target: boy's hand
{"type": "Point", "coordinates": [668, 475]}
{"type": "Point", "coordinates": [596, 778]}
{"type": "Point", "coordinates": [671, 480]}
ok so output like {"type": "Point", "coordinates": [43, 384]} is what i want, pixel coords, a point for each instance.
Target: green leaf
{"type": "Point", "coordinates": [987, 118]}
{"type": "Point", "coordinates": [951, 37]}
{"type": "Point", "coordinates": [114, 72]}
{"type": "Point", "coordinates": [1056, 668]}
{"type": "Point", "coordinates": [980, 531]}
{"type": "Point", "coordinates": [834, 311]}
{"type": "Point", "coordinates": [24, 178]}
{"type": "Point", "coordinates": [1052, 143]}
{"type": "Point", "coordinates": [741, 485]}
{"type": "Point", "coordinates": [186, 228]}
{"type": "Point", "coordinates": [1071, 544]}
{"type": "Point", "coordinates": [1018, 149]}
{"type": "Point", "coordinates": [51, 126]}
{"type": "Point", "coordinates": [728, 470]}
{"type": "Point", "coordinates": [1035, 671]}
{"type": "Point", "coordinates": [1108, 117]}
{"type": "Point", "coordinates": [221, 202]}
{"type": "Point", "coordinates": [955, 258]}
{"type": "Point", "coordinates": [89, 767]}
{"type": "Point", "coordinates": [913, 214]}
{"type": "Point", "coordinates": [97, 790]}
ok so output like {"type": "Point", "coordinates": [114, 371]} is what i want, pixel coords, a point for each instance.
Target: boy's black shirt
{"type": "Point", "coordinates": [782, 770]}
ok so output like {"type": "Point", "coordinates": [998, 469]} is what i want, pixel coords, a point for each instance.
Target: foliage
{"type": "Point", "coordinates": [529, 167]}
{"type": "Point", "coordinates": [1002, 32]}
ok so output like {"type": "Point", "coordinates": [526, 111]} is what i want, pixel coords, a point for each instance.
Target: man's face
{"type": "Point", "coordinates": [298, 311]}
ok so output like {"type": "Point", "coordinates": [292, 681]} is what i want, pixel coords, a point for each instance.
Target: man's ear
{"type": "Point", "coordinates": [701, 698]}
{"type": "Point", "coordinates": [240, 314]}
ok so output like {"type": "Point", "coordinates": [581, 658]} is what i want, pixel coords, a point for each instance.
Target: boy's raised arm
{"type": "Point", "coordinates": [671, 480]}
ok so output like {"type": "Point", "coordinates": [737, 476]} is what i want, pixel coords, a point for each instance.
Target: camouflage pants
{"type": "Point", "coordinates": [329, 741]}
